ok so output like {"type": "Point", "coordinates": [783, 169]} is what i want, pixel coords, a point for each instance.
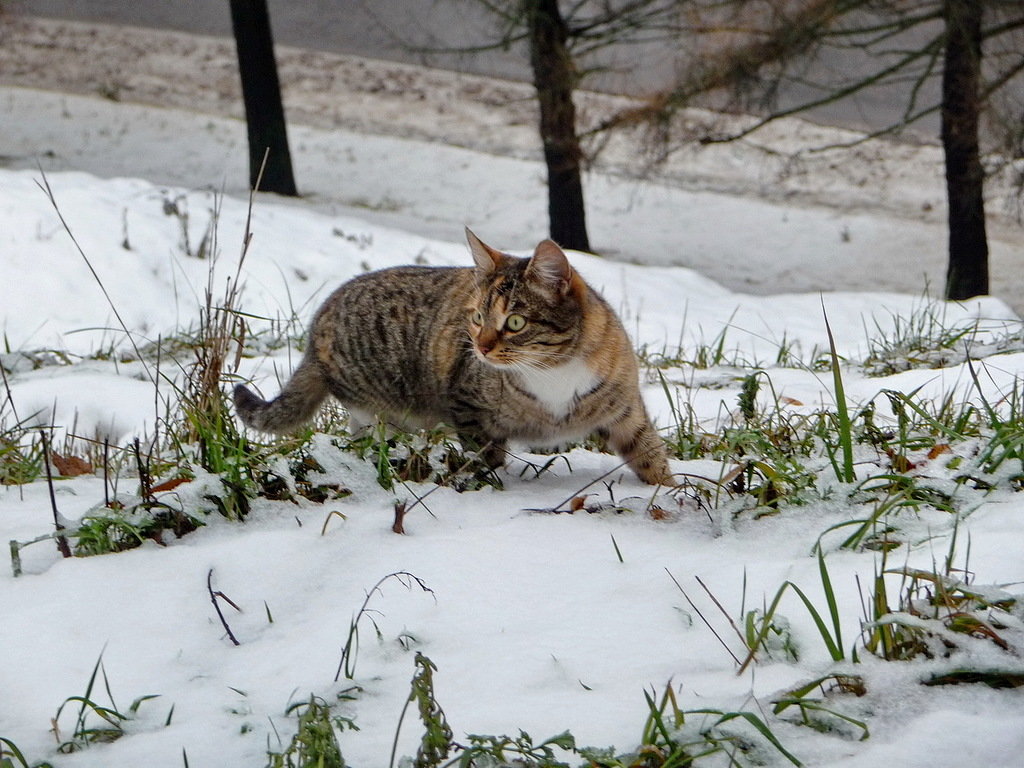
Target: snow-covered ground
{"type": "Point", "coordinates": [536, 621]}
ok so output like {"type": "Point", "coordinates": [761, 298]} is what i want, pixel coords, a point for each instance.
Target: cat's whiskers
{"type": "Point", "coordinates": [532, 368]}
{"type": "Point", "coordinates": [523, 368]}
{"type": "Point", "coordinates": [544, 371]}
{"type": "Point", "coordinates": [544, 361]}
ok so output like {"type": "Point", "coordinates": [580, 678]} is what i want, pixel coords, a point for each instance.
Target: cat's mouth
{"type": "Point", "coordinates": [493, 358]}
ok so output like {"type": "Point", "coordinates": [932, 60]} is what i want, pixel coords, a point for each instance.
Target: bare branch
{"type": "Point", "coordinates": [216, 605]}
{"type": "Point", "coordinates": [876, 78]}
{"type": "Point", "coordinates": [998, 82]}
{"type": "Point", "coordinates": [62, 541]}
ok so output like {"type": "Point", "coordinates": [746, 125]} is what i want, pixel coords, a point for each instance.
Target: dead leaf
{"type": "Point", "coordinates": [398, 526]}
{"type": "Point", "coordinates": [578, 502]}
{"type": "Point", "coordinates": [657, 513]}
{"type": "Point", "coordinates": [169, 485]}
{"type": "Point", "coordinates": [732, 474]}
{"type": "Point", "coordinates": [900, 463]}
{"type": "Point", "coordinates": [71, 466]}
{"type": "Point", "coordinates": [938, 450]}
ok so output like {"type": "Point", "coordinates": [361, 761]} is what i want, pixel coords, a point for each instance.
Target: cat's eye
{"type": "Point", "coordinates": [515, 323]}
{"type": "Point", "coordinates": [477, 318]}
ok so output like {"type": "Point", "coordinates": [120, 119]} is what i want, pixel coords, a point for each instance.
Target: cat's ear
{"type": "Point", "coordinates": [550, 267]}
{"type": "Point", "coordinates": [485, 257]}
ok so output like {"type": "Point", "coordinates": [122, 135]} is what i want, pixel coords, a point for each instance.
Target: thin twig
{"type": "Point", "coordinates": [398, 526]}
{"type": "Point", "coordinates": [145, 480]}
{"type": "Point", "coordinates": [62, 541]}
{"type": "Point", "coordinates": [45, 187]}
{"type": "Point", "coordinates": [720, 608]}
{"type": "Point", "coordinates": [403, 577]}
{"type": "Point", "coordinates": [7, 391]}
{"type": "Point", "coordinates": [216, 605]}
{"type": "Point", "coordinates": [702, 617]}
{"type": "Point", "coordinates": [106, 472]}
{"type": "Point", "coordinates": [611, 471]}
{"type": "Point", "coordinates": [419, 499]}
{"type": "Point", "coordinates": [595, 481]}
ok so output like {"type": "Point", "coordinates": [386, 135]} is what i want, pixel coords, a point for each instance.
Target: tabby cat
{"type": "Point", "coordinates": [513, 349]}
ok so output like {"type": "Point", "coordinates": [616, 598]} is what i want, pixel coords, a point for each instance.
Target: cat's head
{"type": "Point", "coordinates": [526, 312]}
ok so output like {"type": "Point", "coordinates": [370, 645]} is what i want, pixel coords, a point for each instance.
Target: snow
{"type": "Point", "coordinates": [360, 129]}
{"type": "Point", "coordinates": [533, 621]}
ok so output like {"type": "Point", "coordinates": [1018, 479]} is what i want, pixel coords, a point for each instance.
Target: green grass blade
{"type": "Point", "coordinates": [835, 651]}
{"type": "Point", "coordinates": [618, 552]}
{"type": "Point", "coordinates": [655, 723]}
{"type": "Point", "coordinates": [842, 412]}
{"type": "Point", "coordinates": [12, 749]}
{"type": "Point", "coordinates": [830, 598]}
{"type": "Point", "coordinates": [756, 722]}
{"type": "Point", "coordinates": [766, 626]}
{"type": "Point", "coordinates": [907, 400]}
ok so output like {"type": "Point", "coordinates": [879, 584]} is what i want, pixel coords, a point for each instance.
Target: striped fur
{"type": "Point", "coordinates": [511, 349]}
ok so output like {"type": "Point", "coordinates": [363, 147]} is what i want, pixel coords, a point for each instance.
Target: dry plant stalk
{"type": "Point", "coordinates": [220, 326]}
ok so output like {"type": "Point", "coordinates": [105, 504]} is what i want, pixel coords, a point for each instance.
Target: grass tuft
{"type": "Point", "coordinates": [350, 651]}
{"type": "Point", "coordinates": [9, 753]}
{"type": "Point", "coordinates": [814, 713]}
{"type": "Point", "coordinates": [315, 743]}
{"type": "Point", "coordinates": [95, 722]}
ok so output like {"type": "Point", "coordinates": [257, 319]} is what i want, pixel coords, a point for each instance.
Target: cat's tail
{"type": "Point", "coordinates": [298, 402]}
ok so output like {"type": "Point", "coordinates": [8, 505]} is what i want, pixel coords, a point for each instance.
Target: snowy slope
{"type": "Point", "coordinates": [533, 621]}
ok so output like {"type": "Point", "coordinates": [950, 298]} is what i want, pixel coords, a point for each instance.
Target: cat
{"type": "Point", "coordinates": [511, 349]}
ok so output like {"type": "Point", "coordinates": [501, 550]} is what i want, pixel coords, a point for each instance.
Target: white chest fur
{"type": "Point", "coordinates": [558, 388]}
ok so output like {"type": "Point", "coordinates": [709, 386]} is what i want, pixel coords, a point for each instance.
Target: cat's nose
{"type": "Point", "coordinates": [486, 341]}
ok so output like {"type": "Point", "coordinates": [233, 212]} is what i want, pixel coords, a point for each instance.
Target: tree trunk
{"type": "Point", "coordinates": [555, 79]}
{"type": "Point", "coordinates": [961, 105]}
{"type": "Point", "coordinates": [261, 91]}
